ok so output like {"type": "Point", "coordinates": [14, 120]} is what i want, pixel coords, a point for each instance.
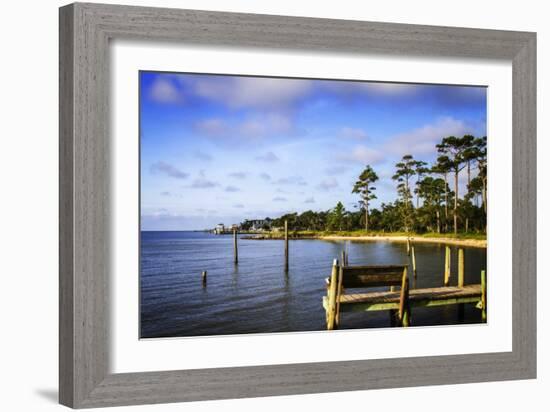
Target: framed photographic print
{"type": "Point", "coordinates": [257, 205]}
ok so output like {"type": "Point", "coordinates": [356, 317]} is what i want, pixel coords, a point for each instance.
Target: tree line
{"type": "Point", "coordinates": [428, 195]}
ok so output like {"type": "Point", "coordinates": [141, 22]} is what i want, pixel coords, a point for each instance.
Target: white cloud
{"type": "Point", "coordinates": [328, 184]}
{"type": "Point", "coordinates": [335, 170]}
{"type": "Point", "coordinates": [372, 88]}
{"type": "Point", "coordinates": [276, 93]}
{"type": "Point", "coordinates": [279, 199]}
{"type": "Point", "coordinates": [164, 91]}
{"type": "Point", "coordinates": [256, 126]}
{"type": "Point", "coordinates": [362, 154]}
{"type": "Point", "coordinates": [265, 125]}
{"type": "Point", "coordinates": [291, 180]}
{"type": "Point", "coordinates": [265, 176]}
{"type": "Point", "coordinates": [238, 92]}
{"type": "Point", "coordinates": [390, 89]}
{"type": "Point", "coordinates": [168, 170]}
{"type": "Point", "coordinates": [238, 175]}
{"type": "Point", "coordinates": [232, 189]}
{"type": "Point", "coordinates": [422, 140]}
{"type": "Point", "coordinates": [211, 127]}
{"type": "Point", "coordinates": [310, 200]}
{"type": "Point", "coordinates": [202, 182]}
{"type": "Point", "coordinates": [268, 157]}
{"type": "Point", "coordinates": [160, 212]}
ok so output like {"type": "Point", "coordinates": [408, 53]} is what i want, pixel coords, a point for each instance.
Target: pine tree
{"type": "Point", "coordinates": [364, 187]}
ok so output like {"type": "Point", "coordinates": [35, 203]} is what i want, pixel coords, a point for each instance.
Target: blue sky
{"type": "Point", "coordinates": [221, 149]}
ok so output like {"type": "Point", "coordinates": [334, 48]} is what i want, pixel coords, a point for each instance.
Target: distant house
{"type": "Point", "coordinates": [260, 224]}
{"type": "Point", "coordinates": [219, 229]}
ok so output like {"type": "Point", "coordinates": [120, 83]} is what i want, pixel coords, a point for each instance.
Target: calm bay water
{"type": "Point", "coordinates": [257, 296]}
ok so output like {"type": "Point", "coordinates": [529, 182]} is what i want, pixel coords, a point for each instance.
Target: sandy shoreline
{"type": "Point", "coordinates": [415, 239]}
{"type": "Point", "coordinates": [479, 243]}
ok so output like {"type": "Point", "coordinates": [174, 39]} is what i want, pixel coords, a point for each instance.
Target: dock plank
{"type": "Point", "coordinates": [427, 297]}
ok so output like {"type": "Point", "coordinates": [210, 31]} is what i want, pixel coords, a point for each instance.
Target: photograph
{"type": "Point", "coordinates": [284, 205]}
{"type": "Point", "coordinates": [274, 205]}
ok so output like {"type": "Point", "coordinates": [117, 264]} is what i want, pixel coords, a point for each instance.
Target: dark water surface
{"type": "Point", "coordinates": [258, 297]}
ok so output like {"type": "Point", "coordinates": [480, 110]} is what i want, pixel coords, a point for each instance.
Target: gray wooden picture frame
{"type": "Point", "coordinates": [85, 32]}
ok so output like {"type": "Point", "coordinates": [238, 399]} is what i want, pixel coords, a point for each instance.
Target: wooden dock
{"type": "Point", "coordinates": [399, 302]}
{"type": "Point", "coordinates": [429, 297]}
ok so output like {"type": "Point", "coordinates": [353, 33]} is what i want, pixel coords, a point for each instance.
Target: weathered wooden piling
{"type": "Point", "coordinates": [408, 246]}
{"type": "Point", "coordinates": [460, 282]}
{"type": "Point", "coordinates": [286, 245]}
{"type": "Point", "coordinates": [332, 295]}
{"type": "Point", "coordinates": [460, 268]}
{"type": "Point", "coordinates": [394, 314]}
{"type": "Point", "coordinates": [447, 265]}
{"type": "Point", "coordinates": [413, 256]}
{"type": "Point", "coordinates": [339, 289]}
{"type": "Point", "coordinates": [235, 246]}
{"type": "Point", "coordinates": [483, 296]}
{"type": "Point", "coordinates": [204, 273]}
{"type": "Point", "coordinates": [404, 310]}
{"type": "Point", "coordinates": [344, 258]}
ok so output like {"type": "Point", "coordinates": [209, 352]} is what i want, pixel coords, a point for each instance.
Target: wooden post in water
{"type": "Point", "coordinates": [404, 310]}
{"type": "Point", "coordinates": [204, 278]}
{"type": "Point", "coordinates": [339, 289]}
{"type": "Point", "coordinates": [286, 245]}
{"type": "Point", "coordinates": [392, 312]}
{"type": "Point", "coordinates": [344, 258]}
{"type": "Point", "coordinates": [413, 261]}
{"type": "Point", "coordinates": [483, 296]}
{"type": "Point", "coordinates": [460, 268]}
{"type": "Point", "coordinates": [235, 247]}
{"type": "Point", "coordinates": [332, 296]}
{"type": "Point", "coordinates": [408, 246]}
{"type": "Point", "coordinates": [460, 283]}
{"type": "Point", "coordinates": [447, 265]}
